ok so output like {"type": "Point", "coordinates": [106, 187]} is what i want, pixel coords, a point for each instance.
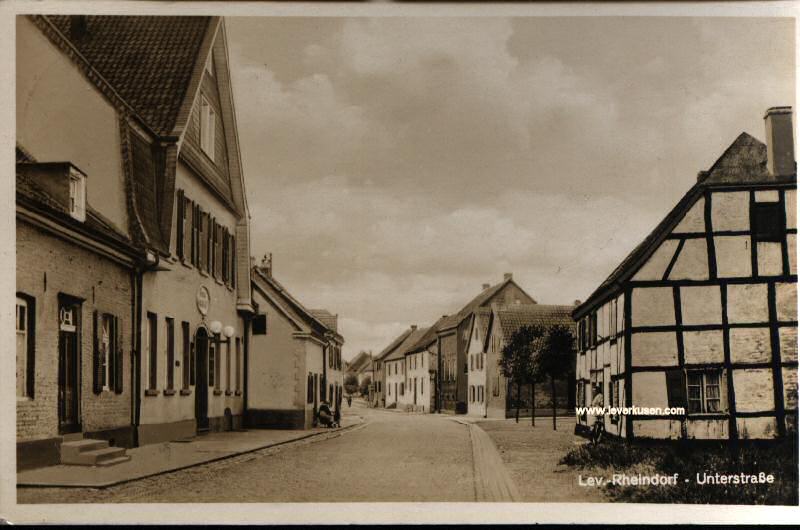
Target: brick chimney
{"type": "Point", "coordinates": [507, 276]}
{"type": "Point", "coordinates": [485, 286]}
{"type": "Point", "coordinates": [780, 141]}
{"type": "Point", "coordinates": [413, 327]}
{"type": "Point", "coordinates": [266, 265]}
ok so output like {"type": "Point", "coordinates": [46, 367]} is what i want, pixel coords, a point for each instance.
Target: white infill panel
{"type": "Point", "coordinates": [701, 305]}
{"type": "Point", "coordinates": [747, 303]}
{"type": "Point", "coordinates": [692, 262]}
{"type": "Point", "coordinates": [653, 306]}
{"type": "Point", "coordinates": [733, 256]}
{"type": "Point", "coordinates": [788, 337]}
{"type": "Point", "coordinates": [649, 389]}
{"type": "Point", "coordinates": [786, 301]}
{"type": "Point", "coordinates": [756, 428]}
{"type": "Point", "coordinates": [694, 220]}
{"type": "Point", "coordinates": [770, 259]}
{"type": "Point", "coordinates": [654, 349]}
{"type": "Point", "coordinates": [750, 345]}
{"type": "Point", "coordinates": [790, 198]}
{"type": "Point", "coordinates": [789, 387]}
{"type": "Point", "coordinates": [730, 211]}
{"type": "Point", "coordinates": [656, 266]}
{"type": "Point", "coordinates": [754, 392]}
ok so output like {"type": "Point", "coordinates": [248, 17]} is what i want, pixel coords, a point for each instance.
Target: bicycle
{"type": "Point", "coordinates": [598, 430]}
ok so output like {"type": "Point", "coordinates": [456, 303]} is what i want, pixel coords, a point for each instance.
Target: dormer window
{"type": "Point", "coordinates": [77, 195]}
{"type": "Point", "coordinates": [207, 125]}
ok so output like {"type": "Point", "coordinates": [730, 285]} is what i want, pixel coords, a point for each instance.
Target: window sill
{"type": "Point", "coordinates": [186, 392]}
{"type": "Point", "coordinates": [228, 393]}
{"type": "Point", "coordinates": [23, 399]}
{"type": "Point", "coordinates": [169, 392]}
{"type": "Point", "coordinates": [217, 392]}
{"type": "Point", "coordinates": [238, 393]}
{"type": "Point", "coordinates": [151, 392]}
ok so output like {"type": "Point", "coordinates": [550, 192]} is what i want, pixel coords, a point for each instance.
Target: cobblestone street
{"type": "Point", "coordinates": [393, 457]}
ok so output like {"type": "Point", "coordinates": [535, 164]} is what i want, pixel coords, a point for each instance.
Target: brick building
{"type": "Point", "coordinates": [151, 117]}
{"type": "Point", "coordinates": [73, 317]}
{"type": "Point", "coordinates": [702, 315]}
{"type": "Point", "coordinates": [453, 335]}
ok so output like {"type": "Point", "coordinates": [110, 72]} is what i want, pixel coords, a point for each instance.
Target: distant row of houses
{"type": "Point", "coordinates": [139, 316]}
{"type": "Point", "coordinates": [701, 317]}
{"type": "Point", "coordinates": [452, 365]}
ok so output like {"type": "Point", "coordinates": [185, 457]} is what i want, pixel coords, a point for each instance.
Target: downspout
{"type": "Point", "coordinates": [247, 322]}
{"type": "Point", "coordinates": [136, 358]}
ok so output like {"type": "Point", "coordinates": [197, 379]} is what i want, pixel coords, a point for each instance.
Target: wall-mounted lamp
{"type": "Point", "coordinates": [217, 328]}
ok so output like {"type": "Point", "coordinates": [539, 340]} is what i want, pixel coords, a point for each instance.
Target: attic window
{"type": "Point", "coordinates": [767, 221]}
{"type": "Point", "coordinates": [77, 195]}
{"type": "Point", "coordinates": [207, 125]}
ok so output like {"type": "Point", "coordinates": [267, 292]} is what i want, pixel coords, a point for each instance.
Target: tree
{"type": "Point", "coordinates": [351, 384]}
{"type": "Point", "coordinates": [365, 386]}
{"type": "Point", "coordinates": [553, 359]}
{"type": "Point", "coordinates": [516, 361]}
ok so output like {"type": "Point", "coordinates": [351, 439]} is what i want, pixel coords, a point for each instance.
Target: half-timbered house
{"type": "Point", "coordinates": [702, 316]}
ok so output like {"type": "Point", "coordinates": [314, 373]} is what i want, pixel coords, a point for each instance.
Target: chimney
{"type": "Point", "coordinates": [266, 265]}
{"type": "Point", "coordinates": [576, 303]}
{"type": "Point", "coordinates": [485, 286]}
{"type": "Point", "coordinates": [507, 276]}
{"type": "Point", "coordinates": [780, 141]}
{"type": "Point", "coordinates": [413, 327]}
{"type": "Point", "coordinates": [78, 26]}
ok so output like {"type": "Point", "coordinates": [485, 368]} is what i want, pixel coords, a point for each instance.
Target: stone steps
{"type": "Point", "coordinates": [88, 452]}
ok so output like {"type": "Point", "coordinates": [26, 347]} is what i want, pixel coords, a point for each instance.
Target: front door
{"type": "Point", "coordinates": [201, 381]}
{"type": "Point", "coordinates": [69, 360]}
{"type": "Point", "coordinates": [415, 391]}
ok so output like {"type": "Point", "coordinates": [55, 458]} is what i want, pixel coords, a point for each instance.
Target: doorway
{"type": "Point", "coordinates": [201, 381]}
{"type": "Point", "coordinates": [69, 360]}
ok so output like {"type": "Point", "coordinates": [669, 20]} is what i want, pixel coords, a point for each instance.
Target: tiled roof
{"type": "Point", "coordinates": [400, 351]}
{"type": "Point", "coordinates": [410, 344]}
{"type": "Point", "coordinates": [359, 361]}
{"type": "Point", "coordinates": [326, 317]}
{"type": "Point", "coordinates": [286, 300]}
{"type": "Point", "coordinates": [479, 300]}
{"type": "Point", "coordinates": [743, 162]}
{"type": "Point", "coordinates": [393, 345]}
{"type": "Point", "coordinates": [428, 337]}
{"type": "Point", "coordinates": [148, 60]}
{"type": "Point", "coordinates": [29, 192]}
{"type": "Point", "coordinates": [515, 317]}
{"type": "Point", "coordinates": [482, 315]}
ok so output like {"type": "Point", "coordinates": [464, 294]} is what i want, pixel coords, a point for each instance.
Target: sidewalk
{"type": "Point", "coordinates": [156, 459]}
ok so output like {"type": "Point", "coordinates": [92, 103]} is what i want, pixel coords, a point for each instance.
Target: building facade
{"type": "Point", "coordinates": [453, 340]}
{"type": "Point", "coordinates": [702, 316]}
{"type": "Point", "coordinates": [288, 376]}
{"type": "Point", "coordinates": [154, 119]}
{"type": "Point", "coordinates": [501, 396]}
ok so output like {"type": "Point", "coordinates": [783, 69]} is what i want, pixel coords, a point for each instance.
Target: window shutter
{"type": "Point", "coordinates": [119, 356]}
{"type": "Point", "coordinates": [97, 384]}
{"type": "Point", "coordinates": [181, 228]}
{"type": "Point", "coordinates": [676, 388]}
{"type": "Point", "coordinates": [187, 229]}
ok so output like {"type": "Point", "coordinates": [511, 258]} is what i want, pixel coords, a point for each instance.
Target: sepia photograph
{"type": "Point", "coordinates": [401, 257]}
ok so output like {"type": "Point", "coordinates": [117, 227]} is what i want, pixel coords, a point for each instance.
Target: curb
{"type": "Point", "coordinates": [106, 485]}
{"type": "Point", "coordinates": [493, 483]}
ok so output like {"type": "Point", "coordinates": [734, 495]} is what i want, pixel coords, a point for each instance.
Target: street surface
{"type": "Point", "coordinates": [393, 457]}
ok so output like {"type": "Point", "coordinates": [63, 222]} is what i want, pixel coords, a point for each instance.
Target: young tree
{"type": "Point", "coordinates": [516, 361]}
{"type": "Point", "coordinates": [554, 359]}
{"type": "Point", "coordinates": [351, 384]}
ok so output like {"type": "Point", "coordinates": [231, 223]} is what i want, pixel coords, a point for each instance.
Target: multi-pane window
{"type": "Point", "coordinates": [703, 392]}
{"type": "Point", "coordinates": [105, 354]}
{"type": "Point", "coordinates": [77, 196]}
{"type": "Point", "coordinates": [310, 389]}
{"type": "Point", "coordinates": [228, 367]}
{"type": "Point", "coordinates": [152, 351]}
{"type": "Point", "coordinates": [186, 363]}
{"type": "Point", "coordinates": [238, 364]}
{"type": "Point", "coordinates": [169, 329]}
{"type": "Point", "coordinates": [24, 319]}
{"type": "Point", "coordinates": [207, 127]}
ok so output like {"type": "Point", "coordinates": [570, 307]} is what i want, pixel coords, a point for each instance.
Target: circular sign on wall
{"type": "Point", "coordinates": [203, 300]}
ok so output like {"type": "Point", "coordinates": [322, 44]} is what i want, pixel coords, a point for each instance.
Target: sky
{"type": "Point", "coordinates": [394, 165]}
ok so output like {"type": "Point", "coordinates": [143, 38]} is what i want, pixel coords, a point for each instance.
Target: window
{"type": "Point", "coordinates": [107, 353]}
{"type": "Point", "coordinates": [169, 326]}
{"type": "Point", "coordinates": [212, 363]}
{"type": "Point", "coordinates": [310, 389]}
{"type": "Point", "coordinates": [767, 221]}
{"type": "Point", "coordinates": [152, 350]}
{"type": "Point", "coordinates": [187, 364]}
{"type": "Point", "coordinates": [209, 244]}
{"type": "Point", "coordinates": [25, 345]}
{"type": "Point", "coordinates": [106, 345]}
{"type": "Point", "coordinates": [703, 392]}
{"type": "Point", "coordinates": [496, 386]}
{"type": "Point", "coordinates": [260, 324]}
{"type": "Point", "coordinates": [195, 251]}
{"type": "Point", "coordinates": [207, 124]}
{"type": "Point", "coordinates": [228, 367]}
{"type": "Point", "coordinates": [238, 364]}
{"type": "Point", "coordinates": [77, 195]}
{"type": "Point", "coordinates": [181, 220]}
